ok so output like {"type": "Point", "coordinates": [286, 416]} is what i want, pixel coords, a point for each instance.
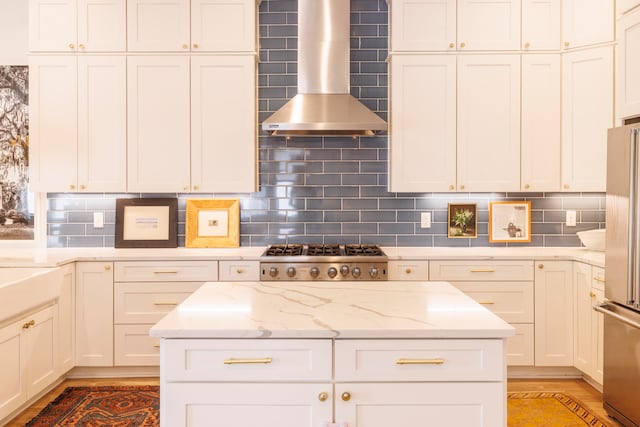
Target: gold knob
{"type": "Point", "coordinates": [566, 44]}
{"type": "Point", "coordinates": [72, 46]}
{"type": "Point", "coordinates": [540, 266]}
{"type": "Point", "coordinates": [81, 46]}
{"type": "Point", "coordinates": [462, 44]}
{"type": "Point", "coordinates": [107, 267]}
{"type": "Point", "coordinates": [323, 396]}
{"type": "Point", "coordinates": [462, 187]}
{"type": "Point", "coordinates": [185, 188]}
{"type": "Point", "coordinates": [527, 186]}
{"type": "Point", "coordinates": [240, 270]}
{"type": "Point", "coordinates": [566, 186]}
{"type": "Point", "coordinates": [29, 324]}
{"type": "Point", "coordinates": [592, 295]}
{"type": "Point", "coordinates": [527, 45]}
{"type": "Point", "coordinates": [408, 271]}
{"type": "Point", "coordinates": [346, 396]}
{"type": "Point", "coordinates": [452, 187]}
{"type": "Point", "coordinates": [195, 187]}
{"type": "Point", "coordinates": [195, 45]}
{"type": "Point", "coordinates": [452, 45]}
{"type": "Point", "coordinates": [82, 187]}
{"type": "Point", "coordinates": [185, 46]}
{"type": "Point", "coordinates": [72, 187]}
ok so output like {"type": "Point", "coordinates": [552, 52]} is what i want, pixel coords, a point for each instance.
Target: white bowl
{"type": "Point", "coordinates": [592, 239]}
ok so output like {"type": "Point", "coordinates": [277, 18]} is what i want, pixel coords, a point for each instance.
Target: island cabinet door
{"type": "Point", "coordinates": [245, 405]}
{"type": "Point", "coordinates": [409, 404]}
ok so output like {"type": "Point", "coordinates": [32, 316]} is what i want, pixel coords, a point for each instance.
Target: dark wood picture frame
{"type": "Point", "coordinates": [146, 223]}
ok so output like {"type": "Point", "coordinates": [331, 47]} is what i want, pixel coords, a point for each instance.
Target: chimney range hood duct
{"type": "Point", "coordinates": [323, 105]}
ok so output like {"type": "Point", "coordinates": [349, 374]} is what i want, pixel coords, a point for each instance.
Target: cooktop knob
{"type": "Point", "coordinates": [332, 272]}
{"type": "Point", "coordinates": [314, 272]}
{"type": "Point", "coordinates": [273, 272]}
{"type": "Point", "coordinates": [355, 271]}
{"type": "Point", "coordinates": [344, 270]}
{"type": "Point", "coordinates": [291, 271]}
{"type": "Point", "coordinates": [373, 272]}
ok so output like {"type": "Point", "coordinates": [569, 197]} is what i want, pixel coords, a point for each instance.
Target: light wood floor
{"type": "Point", "coordinates": [578, 389]}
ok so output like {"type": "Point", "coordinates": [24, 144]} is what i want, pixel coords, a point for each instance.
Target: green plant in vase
{"type": "Point", "coordinates": [462, 218]}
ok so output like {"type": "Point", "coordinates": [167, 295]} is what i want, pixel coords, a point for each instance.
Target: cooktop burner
{"type": "Point", "coordinates": [320, 250]}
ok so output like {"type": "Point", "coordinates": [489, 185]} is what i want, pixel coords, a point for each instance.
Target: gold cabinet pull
{"type": "Point", "coordinates": [29, 324]}
{"type": "Point", "coordinates": [323, 396]}
{"type": "Point", "coordinates": [527, 186]}
{"type": "Point", "coordinates": [346, 396]}
{"type": "Point", "coordinates": [565, 186]}
{"type": "Point", "coordinates": [264, 360]}
{"type": "Point", "coordinates": [165, 272]}
{"type": "Point", "coordinates": [185, 46]}
{"type": "Point", "coordinates": [165, 302]}
{"type": "Point", "coordinates": [452, 187]}
{"type": "Point", "coordinates": [599, 279]}
{"type": "Point", "coordinates": [452, 45]}
{"type": "Point", "coordinates": [540, 266]}
{"type": "Point", "coordinates": [157, 345]}
{"type": "Point", "coordinates": [462, 187]}
{"type": "Point", "coordinates": [592, 295]}
{"type": "Point", "coordinates": [566, 44]}
{"type": "Point", "coordinates": [527, 45]}
{"type": "Point", "coordinates": [195, 45]}
{"type": "Point", "coordinates": [72, 46]}
{"type": "Point", "coordinates": [482, 270]}
{"type": "Point", "coordinates": [240, 270]}
{"type": "Point", "coordinates": [486, 302]}
{"type": "Point", "coordinates": [408, 271]}
{"type": "Point", "coordinates": [463, 44]}
{"type": "Point", "coordinates": [81, 46]}
{"type": "Point", "coordinates": [107, 267]}
{"type": "Point", "coordinates": [436, 361]}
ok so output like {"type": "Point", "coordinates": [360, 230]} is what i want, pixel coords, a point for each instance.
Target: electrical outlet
{"type": "Point", "coordinates": [98, 220]}
{"type": "Point", "coordinates": [571, 219]}
{"type": "Point", "coordinates": [425, 220]}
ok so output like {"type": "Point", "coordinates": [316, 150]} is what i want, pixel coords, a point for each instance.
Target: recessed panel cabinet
{"type": "Point", "coordinates": [628, 65]}
{"type": "Point", "coordinates": [541, 24]}
{"type": "Point", "coordinates": [587, 22]}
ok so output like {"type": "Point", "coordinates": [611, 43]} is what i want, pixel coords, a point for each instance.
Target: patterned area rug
{"type": "Point", "coordinates": [548, 409]}
{"type": "Point", "coordinates": [118, 406]}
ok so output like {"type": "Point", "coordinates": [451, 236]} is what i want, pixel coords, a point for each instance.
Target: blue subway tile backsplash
{"type": "Point", "coordinates": [331, 189]}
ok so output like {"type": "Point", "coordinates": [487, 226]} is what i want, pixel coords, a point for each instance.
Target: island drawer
{"type": "Point", "coordinates": [165, 271]}
{"type": "Point", "coordinates": [246, 360]}
{"type": "Point", "coordinates": [239, 270]}
{"type": "Point", "coordinates": [481, 270]}
{"type": "Point", "coordinates": [148, 302]}
{"type": "Point", "coordinates": [511, 301]}
{"type": "Point", "coordinates": [419, 360]}
{"type": "Point", "coordinates": [409, 270]}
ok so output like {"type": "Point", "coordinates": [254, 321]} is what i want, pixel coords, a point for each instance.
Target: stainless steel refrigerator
{"type": "Point", "coordinates": [621, 309]}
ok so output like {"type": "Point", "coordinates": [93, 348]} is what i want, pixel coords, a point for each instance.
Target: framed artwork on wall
{"type": "Point", "coordinates": [146, 223]}
{"type": "Point", "coordinates": [213, 223]}
{"type": "Point", "coordinates": [510, 222]}
{"type": "Point", "coordinates": [463, 220]}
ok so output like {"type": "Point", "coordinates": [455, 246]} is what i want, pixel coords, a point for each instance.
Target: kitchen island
{"type": "Point", "coordinates": [297, 354]}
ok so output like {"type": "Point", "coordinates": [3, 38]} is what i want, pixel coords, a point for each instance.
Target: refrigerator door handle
{"type": "Point", "coordinates": [604, 309]}
{"type": "Point", "coordinates": [634, 221]}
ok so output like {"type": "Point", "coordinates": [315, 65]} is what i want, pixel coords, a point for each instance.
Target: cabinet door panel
{"type": "Point", "coordinates": [423, 25]}
{"type": "Point", "coordinates": [223, 25]}
{"type": "Point", "coordinates": [158, 25]}
{"type": "Point", "coordinates": [13, 390]}
{"type": "Point", "coordinates": [423, 118]}
{"type": "Point", "coordinates": [53, 116]}
{"type": "Point", "coordinates": [541, 24]}
{"type": "Point", "coordinates": [489, 24]}
{"type": "Point", "coordinates": [489, 123]}
{"type": "Point", "coordinates": [158, 124]}
{"type": "Point", "coordinates": [41, 350]}
{"type": "Point", "coordinates": [66, 320]}
{"type": "Point", "coordinates": [52, 25]}
{"type": "Point", "coordinates": [102, 25]}
{"type": "Point", "coordinates": [587, 22]}
{"type": "Point", "coordinates": [102, 123]}
{"type": "Point", "coordinates": [520, 348]}
{"type": "Point", "coordinates": [223, 139]}
{"type": "Point", "coordinates": [628, 65]}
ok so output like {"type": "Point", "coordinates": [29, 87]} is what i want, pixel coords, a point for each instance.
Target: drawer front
{"type": "Point", "coordinates": [165, 271]}
{"type": "Point", "coordinates": [520, 349]}
{"type": "Point", "coordinates": [481, 270]}
{"type": "Point", "coordinates": [597, 277]}
{"type": "Point", "coordinates": [512, 301]}
{"type": "Point", "coordinates": [148, 302]}
{"type": "Point", "coordinates": [246, 360]}
{"type": "Point", "coordinates": [408, 270]}
{"type": "Point", "coordinates": [133, 346]}
{"type": "Point", "coordinates": [419, 360]}
{"type": "Point", "coordinates": [239, 270]}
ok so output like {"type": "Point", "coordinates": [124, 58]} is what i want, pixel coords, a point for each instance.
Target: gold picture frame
{"type": "Point", "coordinates": [213, 223]}
{"type": "Point", "coordinates": [462, 221]}
{"type": "Point", "coordinates": [510, 222]}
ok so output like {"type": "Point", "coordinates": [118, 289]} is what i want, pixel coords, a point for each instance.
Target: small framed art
{"type": "Point", "coordinates": [213, 223]}
{"type": "Point", "coordinates": [510, 221]}
{"type": "Point", "coordinates": [462, 220]}
{"type": "Point", "coordinates": [146, 223]}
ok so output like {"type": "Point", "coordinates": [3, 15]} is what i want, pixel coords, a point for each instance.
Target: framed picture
{"type": "Point", "coordinates": [213, 223]}
{"type": "Point", "coordinates": [463, 220]}
{"type": "Point", "coordinates": [146, 223]}
{"type": "Point", "coordinates": [510, 222]}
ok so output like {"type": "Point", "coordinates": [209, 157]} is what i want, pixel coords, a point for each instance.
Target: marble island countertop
{"type": "Point", "coordinates": [330, 310]}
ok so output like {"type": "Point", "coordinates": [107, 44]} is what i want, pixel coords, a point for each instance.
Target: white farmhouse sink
{"type": "Point", "coordinates": [22, 289]}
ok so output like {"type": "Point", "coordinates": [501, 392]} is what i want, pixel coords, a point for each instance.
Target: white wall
{"type": "Point", "coordinates": [14, 38]}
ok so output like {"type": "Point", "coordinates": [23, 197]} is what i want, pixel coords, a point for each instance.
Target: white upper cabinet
{"type": "Point", "coordinates": [77, 25]}
{"type": "Point", "coordinates": [587, 22]}
{"type": "Point", "coordinates": [587, 113]}
{"type": "Point", "coordinates": [423, 123]}
{"type": "Point", "coordinates": [199, 25]}
{"type": "Point", "coordinates": [488, 123]}
{"type": "Point", "coordinates": [541, 24]}
{"type": "Point", "coordinates": [159, 124]}
{"type": "Point", "coordinates": [418, 25]}
{"type": "Point", "coordinates": [223, 123]}
{"type": "Point", "coordinates": [628, 65]}
{"type": "Point", "coordinates": [489, 24]}
{"type": "Point", "coordinates": [540, 132]}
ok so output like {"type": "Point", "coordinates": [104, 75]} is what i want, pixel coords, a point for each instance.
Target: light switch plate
{"type": "Point", "coordinates": [571, 219]}
{"type": "Point", "coordinates": [98, 220]}
{"type": "Point", "coordinates": [425, 220]}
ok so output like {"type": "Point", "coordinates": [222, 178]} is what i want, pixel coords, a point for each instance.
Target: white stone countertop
{"type": "Point", "coordinates": [52, 257]}
{"type": "Point", "coordinates": [340, 310]}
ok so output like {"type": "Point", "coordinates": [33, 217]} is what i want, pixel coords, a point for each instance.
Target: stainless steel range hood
{"type": "Point", "coordinates": [323, 105]}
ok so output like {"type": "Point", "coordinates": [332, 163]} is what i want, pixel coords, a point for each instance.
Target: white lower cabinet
{"type": "Point", "coordinates": [28, 357]}
{"type": "Point", "coordinates": [67, 320]}
{"type": "Point", "coordinates": [408, 270]}
{"type": "Point", "coordinates": [588, 338]}
{"type": "Point", "coordinates": [307, 382]}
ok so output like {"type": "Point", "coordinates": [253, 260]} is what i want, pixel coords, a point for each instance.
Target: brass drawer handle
{"type": "Point", "coordinates": [240, 270]}
{"type": "Point", "coordinates": [408, 271]}
{"type": "Point", "coordinates": [264, 360]}
{"type": "Point", "coordinates": [486, 302]}
{"type": "Point", "coordinates": [166, 303]}
{"type": "Point", "coordinates": [599, 279]}
{"type": "Point", "coordinates": [482, 270]}
{"type": "Point", "coordinates": [165, 272]}
{"type": "Point", "coordinates": [29, 324]}
{"type": "Point", "coordinates": [419, 361]}
{"type": "Point", "coordinates": [157, 345]}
